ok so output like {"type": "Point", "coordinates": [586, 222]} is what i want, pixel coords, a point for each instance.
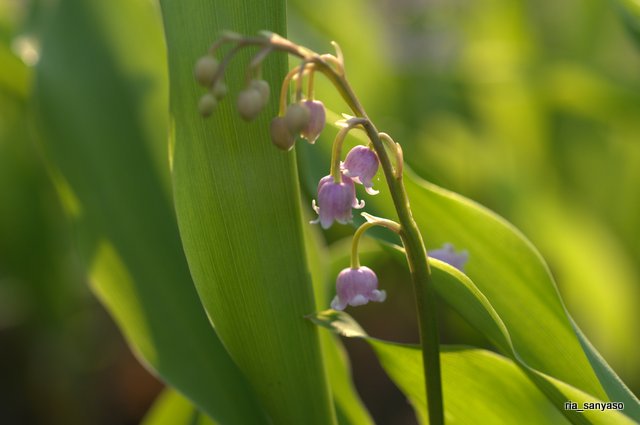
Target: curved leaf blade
{"type": "Point", "coordinates": [510, 273]}
{"type": "Point", "coordinates": [237, 201]}
{"type": "Point", "coordinates": [478, 385]}
{"type": "Point", "coordinates": [171, 408]}
{"type": "Point", "coordinates": [106, 157]}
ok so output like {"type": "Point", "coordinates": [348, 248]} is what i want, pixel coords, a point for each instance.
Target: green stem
{"type": "Point", "coordinates": [391, 225]}
{"type": "Point", "coordinates": [416, 257]}
{"type": "Point", "coordinates": [336, 150]}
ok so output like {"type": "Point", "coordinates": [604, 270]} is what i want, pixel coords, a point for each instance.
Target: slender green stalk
{"type": "Point", "coordinates": [411, 237]}
{"type": "Point", "coordinates": [391, 225]}
{"type": "Point", "coordinates": [416, 257]}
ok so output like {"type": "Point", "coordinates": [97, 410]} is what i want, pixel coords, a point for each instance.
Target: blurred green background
{"type": "Point", "coordinates": [530, 108]}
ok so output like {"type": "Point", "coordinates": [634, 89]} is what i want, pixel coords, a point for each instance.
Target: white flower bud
{"type": "Point", "coordinates": [263, 88]}
{"type": "Point", "coordinates": [249, 104]}
{"type": "Point", "coordinates": [219, 90]}
{"type": "Point", "coordinates": [207, 104]}
{"type": "Point", "coordinates": [297, 118]}
{"type": "Point", "coordinates": [280, 134]}
{"type": "Point", "coordinates": [205, 70]}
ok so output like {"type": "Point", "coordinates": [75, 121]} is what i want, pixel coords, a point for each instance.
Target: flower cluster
{"type": "Point", "coordinates": [305, 118]}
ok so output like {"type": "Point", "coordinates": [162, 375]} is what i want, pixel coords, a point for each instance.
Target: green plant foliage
{"type": "Point", "coordinates": [476, 383]}
{"type": "Point", "coordinates": [237, 203]}
{"type": "Point", "coordinates": [95, 97]}
{"type": "Point", "coordinates": [510, 273]}
{"type": "Point", "coordinates": [171, 408]}
{"type": "Point", "coordinates": [512, 300]}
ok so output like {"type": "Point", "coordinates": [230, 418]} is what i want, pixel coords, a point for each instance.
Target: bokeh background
{"type": "Point", "coordinates": [530, 108]}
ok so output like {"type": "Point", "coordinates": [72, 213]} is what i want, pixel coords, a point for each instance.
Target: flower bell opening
{"type": "Point", "coordinates": [335, 201]}
{"type": "Point", "coordinates": [356, 287]}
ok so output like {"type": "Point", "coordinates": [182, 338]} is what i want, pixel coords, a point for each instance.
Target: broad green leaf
{"type": "Point", "coordinates": [237, 201]}
{"type": "Point", "coordinates": [510, 273]}
{"type": "Point", "coordinates": [479, 386]}
{"type": "Point", "coordinates": [107, 162]}
{"type": "Point", "coordinates": [349, 408]}
{"type": "Point", "coordinates": [171, 408]}
{"type": "Point", "coordinates": [603, 297]}
{"type": "Point", "coordinates": [464, 297]}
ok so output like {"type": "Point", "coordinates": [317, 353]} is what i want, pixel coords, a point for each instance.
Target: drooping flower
{"type": "Point", "coordinates": [317, 119]}
{"type": "Point", "coordinates": [297, 117]}
{"type": "Point", "coordinates": [207, 104]}
{"type": "Point", "coordinates": [263, 88]}
{"type": "Point", "coordinates": [448, 254]}
{"type": "Point", "coordinates": [250, 103]}
{"type": "Point", "coordinates": [280, 134]}
{"type": "Point", "coordinates": [356, 287]}
{"type": "Point", "coordinates": [205, 70]}
{"type": "Point", "coordinates": [335, 201]}
{"type": "Point", "coordinates": [361, 164]}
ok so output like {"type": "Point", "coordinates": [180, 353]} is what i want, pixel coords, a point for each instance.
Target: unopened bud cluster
{"type": "Point", "coordinates": [205, 72]}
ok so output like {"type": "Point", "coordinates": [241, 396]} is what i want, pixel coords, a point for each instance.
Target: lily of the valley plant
{"type": "Point", "coordinates": [304, 117]}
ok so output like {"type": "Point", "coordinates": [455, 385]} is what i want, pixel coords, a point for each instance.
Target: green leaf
{"type": "Point", "coordinates": [171, 408]}
{"type": "Point", "coordinates": [108, 165]}
{"type": "Point", "coordinates": [513, 277]}
{"type": "Point", "coordinates": [479, 386]}
{"type": "Point", "coordinates": [349, 408]}
{"type": "Point", "coordinates": [237, 201]}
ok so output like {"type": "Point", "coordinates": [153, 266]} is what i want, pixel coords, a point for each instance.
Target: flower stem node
{"type": "Point", "coordinates": [317, 120]}
{"type": "Point", "coordinates": [297, 117]}
{"type": "Point", "coordinates": [361, 164]}
{"type": "Point", "coordinates": [356, 287]}
{"type": "Point", "coordinates": [335, 200]}
{"type": "Point", "coordinates": [205, 70]}
{"type": "Point", "coordinates": [207, 104]}
{"type": "Point", "coordinates": [250, 103]}
{"type": "Point", "coordinates": [280, 134]}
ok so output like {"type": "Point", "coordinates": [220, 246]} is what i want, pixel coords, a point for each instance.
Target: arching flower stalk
{"type": "Point", "coordinates": [336, 197]}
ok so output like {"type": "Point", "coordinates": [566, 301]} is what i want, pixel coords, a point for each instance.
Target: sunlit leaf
{"type": "Point", "coordinates": [237, 201]}
{"type": "Point", "coordinates": [510, 273]}
{"type": "Point", "coordinates": [479, 386]}
{"type": "Point", "coordinates": [171, 408]}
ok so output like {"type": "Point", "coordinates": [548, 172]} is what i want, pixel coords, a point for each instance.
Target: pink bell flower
{"type": "Point", "coordinates": [335, 201]}
{"type": "Point", "coordinates": [356, 287]}
{"type": "Point", "coordinates": [317, 119]}
{"type": "Point", "coordinates": [361, 164]}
